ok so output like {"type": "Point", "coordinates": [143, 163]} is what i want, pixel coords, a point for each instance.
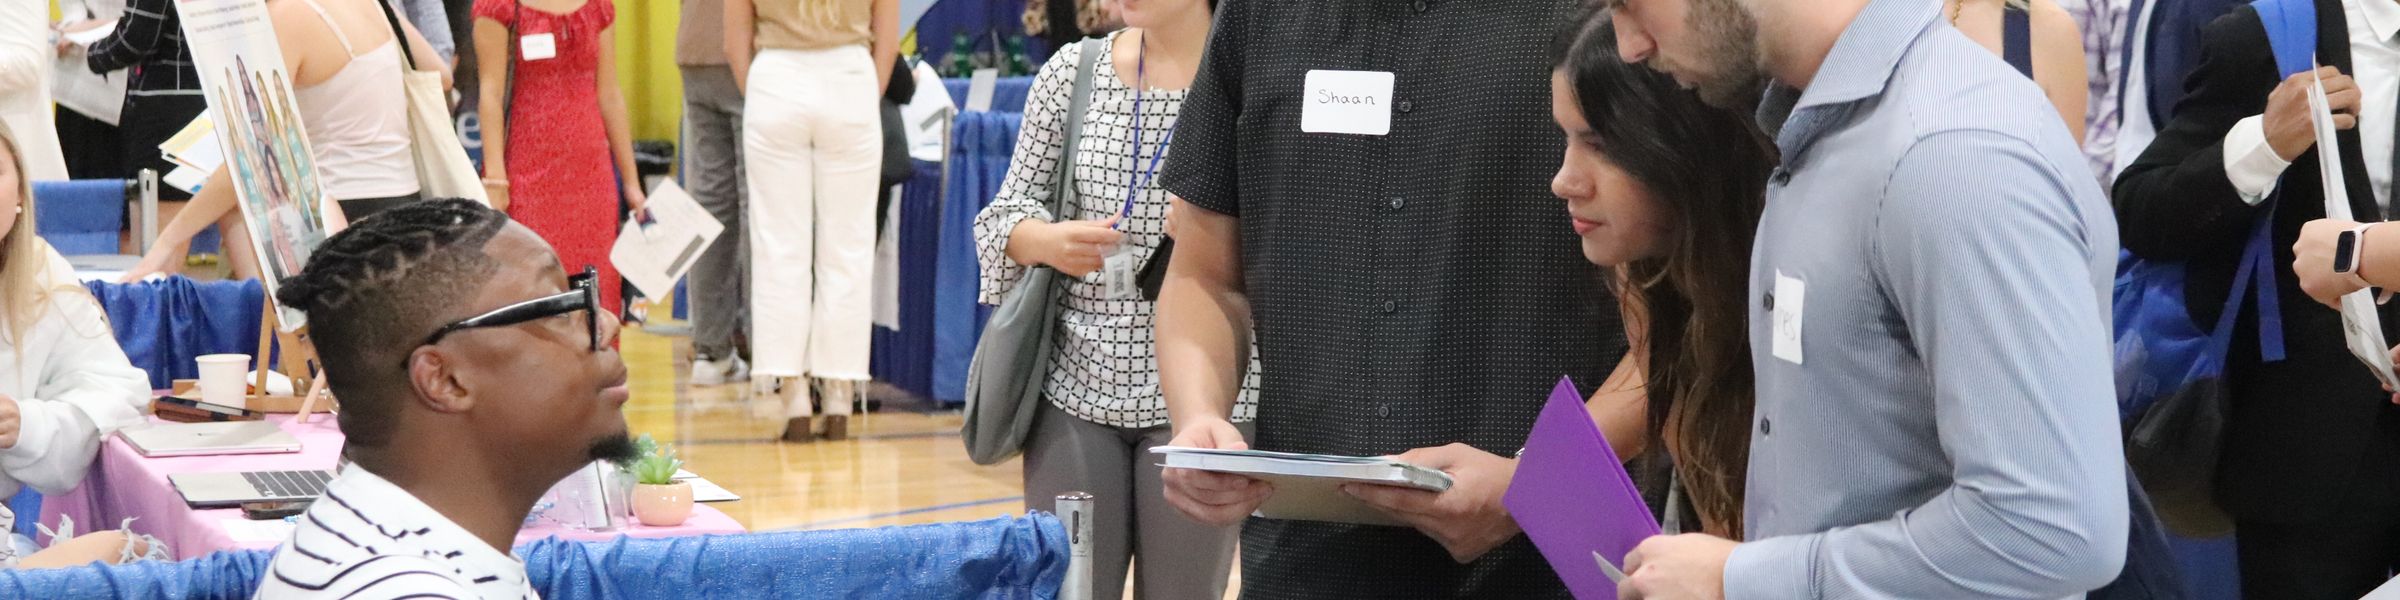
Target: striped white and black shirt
{"type": "Point", "coordinates": [368, 539]}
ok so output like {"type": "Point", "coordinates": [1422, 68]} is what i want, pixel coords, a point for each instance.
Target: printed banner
{"type": "Point", "coordinates": [250, 99]}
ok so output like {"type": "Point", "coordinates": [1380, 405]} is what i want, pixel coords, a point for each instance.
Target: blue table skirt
{"type": "Point", "coordinates": [939, 318]}
{"type": "Point", "coordinates": [163, 324]}
{"type": "Point", "coordinates": [996, 559]}
{"type": "Point", "coordinates": [904, 357]}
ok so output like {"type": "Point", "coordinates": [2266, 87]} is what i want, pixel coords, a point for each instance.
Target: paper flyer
{"type": "Point", "coordinates": [74, 86]}
{"type": "Point", "coordinates": [653, 256]}
{"type": "Point", "coordinates": [2363, 326]}
{"type": "Point", "coordinates": [258, 127]}
{"type": "Point", "coordinates": [195, 146]}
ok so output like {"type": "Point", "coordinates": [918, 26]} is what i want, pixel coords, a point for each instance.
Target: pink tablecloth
{"type": "Point", "coordinates": [124, 484]}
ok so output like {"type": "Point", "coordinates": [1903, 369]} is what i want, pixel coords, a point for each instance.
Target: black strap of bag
{"type": "Point", "coordinates": [408, 57]}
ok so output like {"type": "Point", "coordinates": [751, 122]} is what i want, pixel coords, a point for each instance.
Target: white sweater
{"type": "Point", "coordinates": [26, 54]}
{"type": "Point", "coordinates": [73, 387]}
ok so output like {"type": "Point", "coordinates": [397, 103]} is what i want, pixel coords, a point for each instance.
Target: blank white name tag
{"type": "Point", "coordinates": [1353, 102]}
{"type": "Point", "coordinates": [1791, 305]}
{"type": "Point", "coordinates": [538, 46]}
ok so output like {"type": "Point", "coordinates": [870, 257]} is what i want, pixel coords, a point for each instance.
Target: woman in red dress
{"type": "Point", "coordinates": [561, 179]}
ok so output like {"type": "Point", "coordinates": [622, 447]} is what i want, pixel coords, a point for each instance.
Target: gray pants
{"type": "Point", "coordinates": [1180, 558]}
{"type": "Point", "coordinates": [712, 172]}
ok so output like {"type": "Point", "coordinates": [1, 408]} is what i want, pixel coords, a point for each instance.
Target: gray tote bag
{"type": "Point", "coordinates": [1004, 381]}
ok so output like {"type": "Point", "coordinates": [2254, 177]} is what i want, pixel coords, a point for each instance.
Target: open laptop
{"type": "Point", "coordinates": [210, 439]}
{"type": "Point", "coordinates": [214, 490]}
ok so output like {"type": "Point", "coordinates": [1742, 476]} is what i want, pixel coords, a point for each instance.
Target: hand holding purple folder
{"type": "Point", "coordinates": [1573, 497]}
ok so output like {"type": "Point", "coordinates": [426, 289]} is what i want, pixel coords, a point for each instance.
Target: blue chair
{"type": "Point", "coordinates": [998, 559]}
{"type": "Point", "coordinates": [83, 218]}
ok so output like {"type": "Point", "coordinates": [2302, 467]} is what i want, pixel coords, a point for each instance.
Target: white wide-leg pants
{"type": "Point", "coordinates": [813, 142]}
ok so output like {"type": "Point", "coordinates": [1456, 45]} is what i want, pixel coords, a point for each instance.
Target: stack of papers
{"type": "Point", "coordinates": [1308, 486]}
{"type": "Point", "coordinates": [196, 154]}
{"type": "Point", "coordinates": [704, 490]}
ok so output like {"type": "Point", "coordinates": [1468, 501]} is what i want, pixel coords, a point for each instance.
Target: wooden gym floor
{"type": "Point", "coordinates": [904, 465]}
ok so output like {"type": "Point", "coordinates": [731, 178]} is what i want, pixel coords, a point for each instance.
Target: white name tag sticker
{"type": "Point", "coordinates": [538, 46]}
{"type": "Point", "coordinates": [1790, 305]}
{"type": "Point", "coordinates": [1352, 102]}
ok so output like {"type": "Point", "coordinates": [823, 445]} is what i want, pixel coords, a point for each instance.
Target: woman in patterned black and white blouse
{"type": "Point", "coordinates": [1104, 411]}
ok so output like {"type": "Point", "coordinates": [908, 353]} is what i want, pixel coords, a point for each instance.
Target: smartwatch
{"type": "Point", "coordinates": [2349, 252]}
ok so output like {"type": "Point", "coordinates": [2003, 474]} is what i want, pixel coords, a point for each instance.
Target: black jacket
{"type": "Point", "coordinates": [2303, 430]}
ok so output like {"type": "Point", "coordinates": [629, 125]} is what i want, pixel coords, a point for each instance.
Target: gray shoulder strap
{"type": "Point", "coordinates": [1064, 186]}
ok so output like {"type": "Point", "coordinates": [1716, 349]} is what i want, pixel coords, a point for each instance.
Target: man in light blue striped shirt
{"type": "Point", "coordinates": [1929, 320]}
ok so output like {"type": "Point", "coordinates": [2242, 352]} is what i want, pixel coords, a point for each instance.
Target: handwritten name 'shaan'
{"type": "Point", "coordinates": [1326, 96]}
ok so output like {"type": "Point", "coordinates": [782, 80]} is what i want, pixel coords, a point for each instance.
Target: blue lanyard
{"type": "Point", "coordinates": [1141, 70]}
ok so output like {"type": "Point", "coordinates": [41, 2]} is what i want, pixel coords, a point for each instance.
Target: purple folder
{"type": "Point", "coordinates": [1573, 497]}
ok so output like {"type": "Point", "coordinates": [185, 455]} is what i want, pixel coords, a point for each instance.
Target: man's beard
{"type": "Point", "coordinates": [1736, 75]}
{"type": "Point", "coordinates": [617, 447]}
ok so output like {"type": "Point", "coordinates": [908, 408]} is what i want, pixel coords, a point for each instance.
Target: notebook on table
{"type": "Point", "coordinates": [210, 439]}
{"type": "Point", "coordinates": [1308, 487]}
{"type": "Point", "coordinates": [1574, 498]}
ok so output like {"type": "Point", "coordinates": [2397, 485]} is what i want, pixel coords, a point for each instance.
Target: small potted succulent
{"type": "Point", "coordinates": [658, 499]}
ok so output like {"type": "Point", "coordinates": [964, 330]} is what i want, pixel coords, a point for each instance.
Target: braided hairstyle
{"type": "Point", "coordinates": [374, 291]}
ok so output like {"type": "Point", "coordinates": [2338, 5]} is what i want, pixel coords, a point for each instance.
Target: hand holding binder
{"type": "Point", "coordinates": [1468, 519]}
{"type": "Point", "coordinates": [1220, 499]}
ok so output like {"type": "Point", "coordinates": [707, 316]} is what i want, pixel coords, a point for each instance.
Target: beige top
{"type": "Point", "coordinates": [700, 37]}
{"type": "Point", "coordinates": [814, 24]}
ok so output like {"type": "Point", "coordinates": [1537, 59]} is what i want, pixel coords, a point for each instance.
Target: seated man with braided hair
{"type": "Point", "coordinates": [474, 373]}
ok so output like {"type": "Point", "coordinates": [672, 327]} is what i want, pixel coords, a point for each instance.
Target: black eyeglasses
{"type": "Point", "coordinates": [582, 295]}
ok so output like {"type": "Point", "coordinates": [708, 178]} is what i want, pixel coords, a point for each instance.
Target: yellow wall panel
{"type": "Point", "coordinates": [646, 67]}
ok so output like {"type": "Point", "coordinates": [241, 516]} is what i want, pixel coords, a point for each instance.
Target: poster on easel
{"type": "Point", "coordinates": [250, 99]}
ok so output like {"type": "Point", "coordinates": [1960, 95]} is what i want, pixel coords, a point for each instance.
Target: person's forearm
{"type": "Point", "coordinates": [887, 42]}
{"type": "Point", "coordinates": [1025, 242]}
{"type": "Point", "coordinates": [1203, 345]}
{"type": "Point", "coordinates": [740, 41]}
{"type": "Point", "coordinates": [214, 199]}
{"type": "Point", "coordinates": [55, 446]}
{"type": "Point", "coordinates": [492, 58]}
{"type": "Point", "coordinates": [620, 136]}
{"type": "Point", "coordinates": [495, 135]}
{"type": "Point", "coordinates": [1203, 333]}
{"type": "Point", "coordinates": [2379, 261]}
{"type": "Point", "coordinates": [1622, 409]}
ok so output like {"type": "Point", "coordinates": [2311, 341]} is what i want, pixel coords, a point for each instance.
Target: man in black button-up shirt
{"type": "Point", "coordinates": [1368, 184]}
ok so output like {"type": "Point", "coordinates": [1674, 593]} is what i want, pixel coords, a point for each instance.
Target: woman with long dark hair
{"type": "Point", "coordinates": [1668, 190]}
